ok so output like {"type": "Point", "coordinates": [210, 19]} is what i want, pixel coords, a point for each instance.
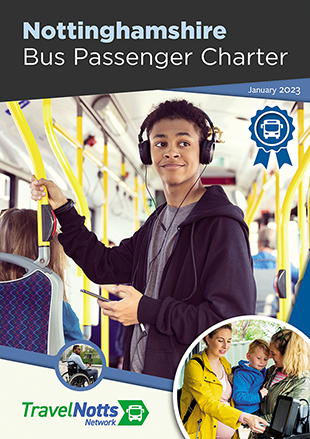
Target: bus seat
{"type": "Point", "coordinates": [266, 294]}
{"type": "Point", "coordinates": [31, 308]}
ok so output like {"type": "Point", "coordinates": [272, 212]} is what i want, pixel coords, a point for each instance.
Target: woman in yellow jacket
{"type": "Point", "coordinates": [205, 381]}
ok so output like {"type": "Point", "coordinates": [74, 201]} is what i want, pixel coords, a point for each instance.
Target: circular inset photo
{"type": "Point", "coordinates": [247, 377]}
{"type": "Point", "coordinates": [80, 365]}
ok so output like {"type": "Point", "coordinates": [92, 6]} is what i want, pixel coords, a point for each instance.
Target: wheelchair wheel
{"type": "Point", "coordinates": [66, 377]}
{"type": "Point", "coordinates": [79, 380]}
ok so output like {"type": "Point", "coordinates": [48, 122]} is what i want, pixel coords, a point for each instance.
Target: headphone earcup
{"type": "Point", "coordinates": [207, 151]}
{"type": "Point", "coordinates": [145, 152]}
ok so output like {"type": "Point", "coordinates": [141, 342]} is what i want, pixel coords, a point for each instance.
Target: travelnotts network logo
{"type": "Point", "coordinates": [134, 412]}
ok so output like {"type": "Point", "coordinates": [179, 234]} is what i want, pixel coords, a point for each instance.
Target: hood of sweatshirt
{"type": "Point", "coordinates": [214, 203]}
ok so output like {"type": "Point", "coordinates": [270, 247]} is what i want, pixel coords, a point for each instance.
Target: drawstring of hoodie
{"type": "Point", "coordinates": [194, 264]}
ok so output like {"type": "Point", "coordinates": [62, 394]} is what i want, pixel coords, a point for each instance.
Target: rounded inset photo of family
{"type": "Point", "coordinates": [245, 378]}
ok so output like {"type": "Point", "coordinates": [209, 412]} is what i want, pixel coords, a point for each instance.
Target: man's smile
{"type": "Point", "coordinates": [172, 165]}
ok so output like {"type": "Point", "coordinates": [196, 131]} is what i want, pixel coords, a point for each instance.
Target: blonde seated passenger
{"type": "Point", "coordinates": [213, 415]}
{"type": "Point", "coordinates": [18, 235]}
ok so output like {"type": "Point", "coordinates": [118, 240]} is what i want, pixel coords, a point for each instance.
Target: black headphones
{"type": "Point", "coordinates": [206, 147]}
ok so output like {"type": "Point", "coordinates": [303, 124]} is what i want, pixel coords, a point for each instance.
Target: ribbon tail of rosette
{"type": "Point", "coordinates": [262, 157]}
{"type": "Point", "coordinates": [283, 157]}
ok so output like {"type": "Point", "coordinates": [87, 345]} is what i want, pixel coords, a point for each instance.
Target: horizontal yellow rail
{"type": "Point", "coordinates": [74, 142]}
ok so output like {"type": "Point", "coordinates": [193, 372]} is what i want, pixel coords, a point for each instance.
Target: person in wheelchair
{"type": "Point", "coordinates": [75, 357]}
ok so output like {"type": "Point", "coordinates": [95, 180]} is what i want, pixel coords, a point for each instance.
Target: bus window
{"type": "Point", "coordinates": [5, 182]}
{"type": "Point", "coordinates": [24, 200]}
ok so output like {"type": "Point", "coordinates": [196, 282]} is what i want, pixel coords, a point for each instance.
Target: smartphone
{"type": "Point", "coordinates": [104, 299]}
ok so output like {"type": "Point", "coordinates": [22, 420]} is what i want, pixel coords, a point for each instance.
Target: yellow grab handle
{"type": "Point", "coordinates": [36, 159]}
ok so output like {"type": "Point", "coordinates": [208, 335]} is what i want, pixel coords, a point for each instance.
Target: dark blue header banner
{"type": "Point", "coordinates": [67, 48]}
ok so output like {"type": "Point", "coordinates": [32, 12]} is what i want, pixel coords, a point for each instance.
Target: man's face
{"type": "Point", "coordinates": [78, 350]}
{"type": "Point", "coordinates": [175, 151]}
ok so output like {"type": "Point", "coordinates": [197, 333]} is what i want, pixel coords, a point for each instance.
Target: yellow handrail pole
{"type": "Point", "coordinates": [146, 207]}
{"type": "Point", "coordinates": [79, 161]}
{"type": "Point", "coordinates": [104, 293]}
{"type": "Point", "coordinates": [301, 196]}
{"type": "Point", "coordinates": [251, 201]}
{"type": "Point", "coordinates": [38, 166]}
{"type": "Point", "coordinates": [123, 168]}
{"type": "Point", "coordinates": [278, 220]}
{"type": "Point", "coordinates": [137, 224]}
{"type": "Point", "coordinates": [79, 172]}
{"type": "Point", "coordinates": [278, 214]}
{"type": "Point", "coordinates": [285, 304]}
{"type": "Point", "coordinates": [79, 137]}
{"type": "Point", "coordinates": [94, 159]}
{"type": "Point", "coordinates": [80, 197]}
{"type": "Point", "coordinates": [309, 216]}
{"type": "Point", "coordinates": [258, 201]}
{"type": "Point", "coordinates": [303, 137]}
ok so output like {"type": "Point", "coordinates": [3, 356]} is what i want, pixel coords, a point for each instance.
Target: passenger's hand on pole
{"type": "Point", "coordinates": [256, 424]}
{"type": "Point", "coordinates": [125, 310]}
{"type": "Point", "coordinates": [39, 188]}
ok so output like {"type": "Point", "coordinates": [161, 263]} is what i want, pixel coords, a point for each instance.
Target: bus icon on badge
{"type": "Point", "coordinates": [271, 128]}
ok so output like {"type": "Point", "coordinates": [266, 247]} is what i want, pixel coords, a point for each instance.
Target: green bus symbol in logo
{"type": "Point", "coordinates": [135, 412]}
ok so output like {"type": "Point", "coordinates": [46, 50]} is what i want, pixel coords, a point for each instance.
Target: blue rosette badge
{"type": "Point", "coordinates": [272, 129]}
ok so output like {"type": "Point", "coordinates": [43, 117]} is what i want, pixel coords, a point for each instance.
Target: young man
{"type": "Point", "coordinates": [189, 266]}
{"type": "Point", "coordinates": [249, 377]}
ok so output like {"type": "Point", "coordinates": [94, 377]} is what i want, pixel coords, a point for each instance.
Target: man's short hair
{"type": "Point", "coordinates": [178, 109]}
{"type": "Point", "coordinates": [259, 343]}
{"type": "Point", "coordinates": [75, 346]}
{"type": "Point", "coordinates": [267, 237]}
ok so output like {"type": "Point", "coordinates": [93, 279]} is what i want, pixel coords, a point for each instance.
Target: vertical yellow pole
{"type": "Point", "coordinates": [278, 215]}
{"type": "Point", "coordinates": [82, 206]}
{"type": "Point", "coordinates": [79, 151]}
{"type": "Point", "coordinates": [104, 293]}
{"type": "Point", "coordinates": [285, 304]}
{"type": "Point", "coordinates": [79, 160]}
{"type": "Point", "coordinates": [251, 202]}
{"type": "Point", "coordinates": [137, 224]}
{"type": "Point", "coordinates": [309, 217]}
{"type": "Point", "coordinates": [278, 222]}
{"type": "Point", "coordinates": [255, 206]}
{"type": "Point", "coordinates": [301, 196]}
{"type": "Point", "coordinates": [38, 166]}
{"type": "Point", "coordinates": [79, 172]}
{"type": "Point", "coordinates": [123, 168]}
